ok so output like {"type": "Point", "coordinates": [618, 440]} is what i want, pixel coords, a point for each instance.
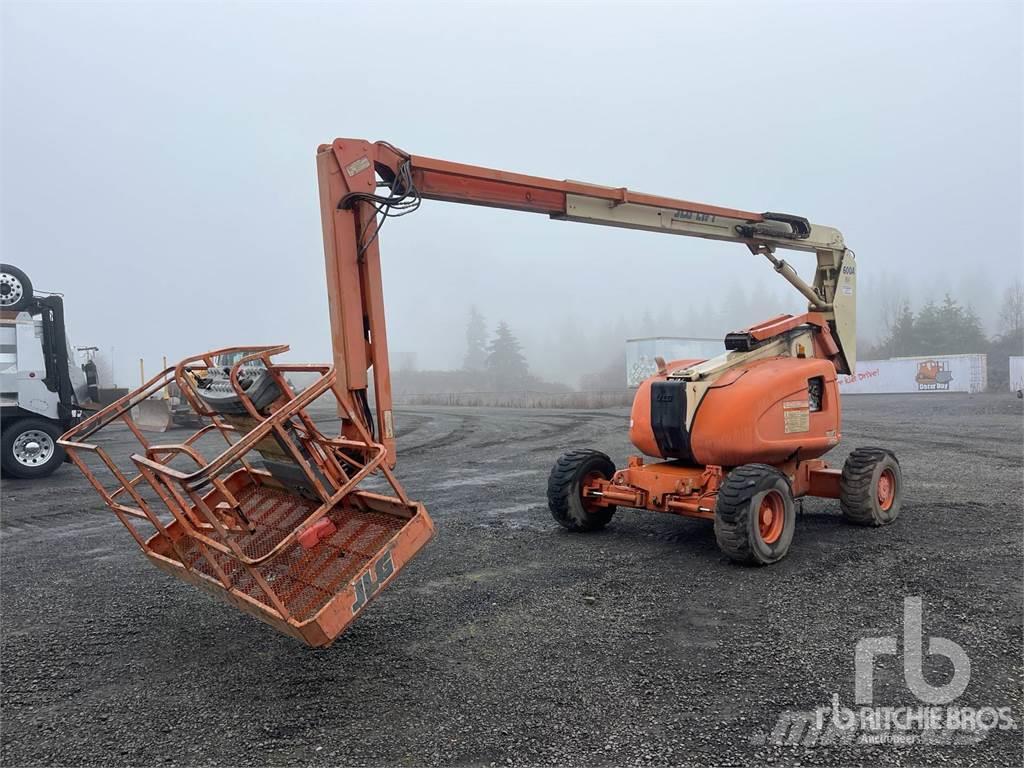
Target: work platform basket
{"type": "Point", "coordinates": [276, 523]}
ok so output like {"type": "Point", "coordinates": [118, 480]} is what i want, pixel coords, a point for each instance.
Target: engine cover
{"type": "Point", "coordinates": [767, 411]}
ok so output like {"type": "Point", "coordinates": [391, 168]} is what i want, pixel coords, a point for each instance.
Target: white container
{"type": "Point", "coordinates": [917, 375]}
{"type": "Point", "coordinates": [640, 353]}
{"type": "Point", "coordinates": [1016, 373]}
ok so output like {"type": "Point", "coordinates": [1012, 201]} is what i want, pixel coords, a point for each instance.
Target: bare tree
{"type": "Point", "coordinates": [476, 341]}
{"type": "Point", "coordinates": [1011, 313]}
{"type": "Point", "coordinates": [407, 363]}
{"type": "Point", "coordinates": [892, 300]}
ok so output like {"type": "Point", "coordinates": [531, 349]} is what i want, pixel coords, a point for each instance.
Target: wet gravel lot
{"type": "Point", "coordinates": [511, 641]}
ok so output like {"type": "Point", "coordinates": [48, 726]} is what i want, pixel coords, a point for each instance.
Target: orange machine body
{"type": "Point", "coordinates": [768, 411]}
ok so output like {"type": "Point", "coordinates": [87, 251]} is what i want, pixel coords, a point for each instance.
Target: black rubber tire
{"type": "Point", "coordinates": [26, 288]}
{"type": "Point", "coordinates": [737, 529]}
{"type": "Point", "coordinates": [14, 468]}
{"type": "Point", "coordinates": [564, 499]}
{"type": "Point", "coordinates": [858, 496]}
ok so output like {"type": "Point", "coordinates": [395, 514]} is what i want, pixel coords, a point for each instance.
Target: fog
{"type": "Point", "coordinates": [158, 162]}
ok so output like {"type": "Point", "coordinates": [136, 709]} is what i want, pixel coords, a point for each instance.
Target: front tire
{"type": "Point", "coordinates": [565, 484]}
{"type": "Point", "coordinates": [871, 488]}
{"type": "Point", "coordinates": [15, 289]}
{"type": "Point", "coordinates": [755, 515]}
{"type": "Point", "coordinates": [28, 449]}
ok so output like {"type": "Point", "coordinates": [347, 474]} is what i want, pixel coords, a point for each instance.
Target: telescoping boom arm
{"type": "Point", "coordinates": [362, 184]}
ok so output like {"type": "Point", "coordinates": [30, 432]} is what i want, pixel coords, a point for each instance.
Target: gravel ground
{"type": "Point", "coordinates": [511, 641]}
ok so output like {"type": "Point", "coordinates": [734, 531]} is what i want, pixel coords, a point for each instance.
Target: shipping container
{"type": "Point", "coordinates": [640, 353]}
{"type": "Point", "coordinates": [1016, 373]}
{"type": "Point", "coordinates": [917, 375]}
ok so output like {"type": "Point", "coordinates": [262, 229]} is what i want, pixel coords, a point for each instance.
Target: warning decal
{"type": "Point", "coordinates": [796, 416]}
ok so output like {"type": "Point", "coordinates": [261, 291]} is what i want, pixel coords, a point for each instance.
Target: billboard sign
{"type": "Point", "coordinates": [913, 375]}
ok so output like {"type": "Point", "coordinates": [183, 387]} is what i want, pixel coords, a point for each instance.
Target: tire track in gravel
{"type": "Point", "coordinates": [44, 526]}
{"type": "Point", "coordinates": [468, 425]}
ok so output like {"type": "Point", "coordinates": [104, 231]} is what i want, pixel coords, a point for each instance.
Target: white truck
{"type": "Point", "coordinates": [41, 385]}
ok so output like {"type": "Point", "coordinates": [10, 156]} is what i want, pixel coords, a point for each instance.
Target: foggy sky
{"type": "Point", "coordinates": [158, 159]}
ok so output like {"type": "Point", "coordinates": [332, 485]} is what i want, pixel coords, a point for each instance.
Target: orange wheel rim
{"type": "Point", "coordinates": [589, 502]}
{"type": "Point", "coordinates": [886, 489]}
{"type": "Point", "coordinates": [771, 516]}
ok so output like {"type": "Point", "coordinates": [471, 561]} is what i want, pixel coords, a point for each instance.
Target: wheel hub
{"type": "Point", "coordinates": [11, 290]}
{"type": "Point", "coordinates": [771, 516]}
{"type": "Point", "coordinates": [886, 491]}
{"type": "Point", "coordinates": [589, 502]}
{"type": "Point", "coordinates": [33, 448]}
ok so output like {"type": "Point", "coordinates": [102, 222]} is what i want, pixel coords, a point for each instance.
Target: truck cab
{"type": "Point", "coordinates": [41, 387]}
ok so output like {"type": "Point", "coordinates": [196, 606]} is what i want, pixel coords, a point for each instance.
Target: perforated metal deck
{"type": "Point", "coordinates": [304, 579]}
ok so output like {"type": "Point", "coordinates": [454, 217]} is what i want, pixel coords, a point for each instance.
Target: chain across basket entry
{"type": "Point", "coordinates": [276, 523]}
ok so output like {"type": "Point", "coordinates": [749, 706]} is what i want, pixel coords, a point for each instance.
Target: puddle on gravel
{"type": "Point", "coordinates": [531, 516]}
{"type": "Point", "coordinates": [488, 479]}
{"type": "Point", "coordinates": [482, 575]}
{"type": "Point", "coordinates": [515, 509]}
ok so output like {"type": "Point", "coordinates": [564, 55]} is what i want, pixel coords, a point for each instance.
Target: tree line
{"type": "Point", "coordinates": [493, 363]}
{"type": "Point", "coordinates": [948, 328]}
{"type": "Point", "coordinates": [591, 357]}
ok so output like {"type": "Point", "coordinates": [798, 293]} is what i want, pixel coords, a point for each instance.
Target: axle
{"type": "Point", "coordinates": [671, 487]}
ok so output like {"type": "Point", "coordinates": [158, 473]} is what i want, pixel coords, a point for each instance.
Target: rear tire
{"type": "Point", "coordinates": [871, 488]}
{"type": "Point", "coordinates": [28, 449]}
{"type": "Point", "coordinates": [565, 483]}
{"type": "Point", "coordinates": [15, 289]}
{"type": "Point", "coordinates": [755, 515]}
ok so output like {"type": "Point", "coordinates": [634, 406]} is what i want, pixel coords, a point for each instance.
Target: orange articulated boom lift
{"type": "Point", "coordinates": [277, 523]}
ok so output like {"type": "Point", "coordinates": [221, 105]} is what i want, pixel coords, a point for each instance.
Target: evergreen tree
{"type": "Point", "coordinates": [647, 325]}
{"type": "Point", "coordinates": [572, 348]}
{"type": "Point", "coordinates": [970, 336]}
{"type": "Point", "coordinates": [505, 360]}
{"type": "Point", "coordinates": [948, 329]}
{"type": "Point", "coordinates": [665, 323]}
{"type": "Point", "coordinates": [733, 312]}
{"type": "Point", "coordinates": [938, 329]}
{"type": "Point", "coordinates": [476, 341]}
{"type": "Point", "coordinates": [902, 341]}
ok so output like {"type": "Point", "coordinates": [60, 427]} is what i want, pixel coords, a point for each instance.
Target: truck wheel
{"type": "Point", "coordinates": [15, 289]}
{"type": "Point", "coordinates": [565, 499]}
{"type": "Point", "coordinates": [755, 515]}
{"type": "Point", "coordinates": [29, 449]}
{"type": "Point", "coordinates": [871, 488]}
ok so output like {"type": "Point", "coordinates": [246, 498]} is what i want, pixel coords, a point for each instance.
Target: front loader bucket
{"type": "Point", "coordinates": [152, 415]}
{"type": "Point", "coordinates": [276, 524]}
